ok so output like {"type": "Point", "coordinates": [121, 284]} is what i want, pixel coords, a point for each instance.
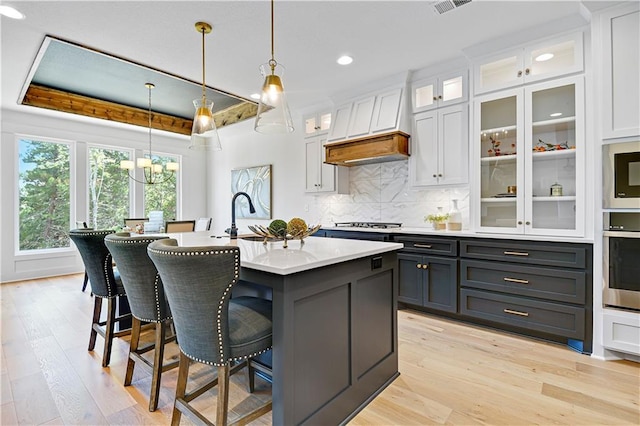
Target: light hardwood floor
{"type": "Point", "coordinates": [451, 373]}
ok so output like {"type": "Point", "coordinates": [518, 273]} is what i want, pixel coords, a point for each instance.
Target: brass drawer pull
{"type": "Point", "coordinates": [522, 314]}
{"type": "Point", "coordinates": [516, 280]}
{"type": "Point", "coordinates": [419, 266]}
{"type": "Point", "coordinates": [422, 245]}
{"type": "Point", "coordinates": [425, 266]}
{"type": "Point", "coordinates": [516, 253]}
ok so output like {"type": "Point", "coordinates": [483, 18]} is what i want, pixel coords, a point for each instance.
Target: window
{"type": "Point", "coordinates": [44, 203]}
{"type": "Point", "coordinates": [162, 196]}
{"type": "Point", "coordinates": [108, 188]}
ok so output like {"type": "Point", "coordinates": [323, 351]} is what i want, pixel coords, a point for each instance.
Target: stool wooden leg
{"type": "Point", "coordinates": [97, 308]}
{"type": "Point", "coordinates": [223, 395]}
{"type": "Point", "coordinates": [156, 375]}
{"type": "Point", "coordinates": [181, 388]}
{"type": "Point", "coordinates": [133, 347]}
{"type": "Point", "coordinates": [251, 376]}
{"type": "Point", "coordinates": [109, 330]}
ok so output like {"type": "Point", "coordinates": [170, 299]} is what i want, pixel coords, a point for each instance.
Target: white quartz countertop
{"type": "Point", "coordinates": [272, 257]}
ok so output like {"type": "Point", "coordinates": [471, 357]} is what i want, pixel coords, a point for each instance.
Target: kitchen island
{"type": "Point", "coordinates": [335, 342]}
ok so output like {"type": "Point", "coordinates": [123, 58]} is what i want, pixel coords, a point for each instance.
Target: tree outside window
{"type": "Point", "coordinates": [44, 194]}
{"type": "Point", "coordinates": [108, 188]}
{"type": "Point", "coordinates": [162, 196]}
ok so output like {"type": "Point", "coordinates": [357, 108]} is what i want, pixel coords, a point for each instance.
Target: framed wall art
{"type": "Point", "coordinates": [255, 181]}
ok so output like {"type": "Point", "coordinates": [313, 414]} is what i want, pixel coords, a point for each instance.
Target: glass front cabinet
{"type": "Point", "coordinates": [529, 147]}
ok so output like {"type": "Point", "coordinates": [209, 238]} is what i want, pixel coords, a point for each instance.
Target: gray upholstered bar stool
{"type": "Point", "coordinates": [212, 328]}
{"type": "Point", "coordinates": [105, 284]}
{"type": "Point", "coordinates": [148, 304]}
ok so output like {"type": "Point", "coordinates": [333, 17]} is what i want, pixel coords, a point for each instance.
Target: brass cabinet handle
{"type": "Point", "coordinates": [422, 245]}
{"type": "Point", "coordinates": [515, 253]}
{"type": "Point", "coordinates": [527, 71]}
{"type": "Point", "coordinates": [519, 73]}
{"type": "Point", "coordinates": [509, 311]}
{"type": "Point", "coordinates": [519, 222]}
{"type": "Point", "coordinates": [419, 266]}
{"type": "Point", "coordinates": [439, 96]}
{"type": "Point", "coordinates": [434, 175]}
{"type": "Point", "coordinates": [425, 266]}
{"type": "Point", "coordinates": [527, 223]}
{"type": "Point", "coordinates": [435, 98]}
{"type": "Point", "coordinates": [516, 280]}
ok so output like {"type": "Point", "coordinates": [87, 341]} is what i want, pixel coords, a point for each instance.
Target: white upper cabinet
{"type": "Point", "coordinates": [547, 59]}
{"type": "Point", "coordinates": [374, 113]}
{"type": "Point", "coordinates": [319, 176]}
{"type": "Point", "coordinates": [316, 124]}
{"type": "Point", "coordinates": [529, 152]}
{"type": "Point", "coordinates": [439, 91]}
{"type": "Point", "coordinates": [439, 147]}
{"type": "Point", "coordinates": [621, 68]}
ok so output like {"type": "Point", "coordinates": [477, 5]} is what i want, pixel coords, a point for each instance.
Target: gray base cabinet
{"type": "Point", "coordinates": [429, 281]}
{"type": "Point", "coordinates": [539, 288]}
{"type": "Point", "coordinates": [535, 288]}
{"type": "Point", "coordinates": [426, 280]}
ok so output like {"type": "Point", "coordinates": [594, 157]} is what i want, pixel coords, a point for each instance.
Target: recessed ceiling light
{"type": "Point", "coordinates": [544, 57]}
{"type": "Point", "coordinates": [10, 12]}
{"type": "Point", "coordinates": [344, 60]}
{"type": "Point", "coordinates": [255, 96]}
{"type": "Point", "coordinates": [555, 114]}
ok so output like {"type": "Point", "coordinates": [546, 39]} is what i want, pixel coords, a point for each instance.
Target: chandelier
{"type": "Point", "coordinates": [154, 173]}
{"type": "Point", "coordinates": [273, 111]}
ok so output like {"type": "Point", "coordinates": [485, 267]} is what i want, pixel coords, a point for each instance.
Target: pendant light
{"type": "Point", "coordinates": [273, 111]}
{"type": "Point", "coordinates": [204, 135]}
{"type": "Point", "coordinates": [154, 173]}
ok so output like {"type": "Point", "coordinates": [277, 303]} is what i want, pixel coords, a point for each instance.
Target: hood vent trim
{"type": "Point", "coordinates": [367, 150]}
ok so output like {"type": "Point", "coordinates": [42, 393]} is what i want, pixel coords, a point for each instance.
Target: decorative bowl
{"type": "Point", "coordinates": [269, 236]}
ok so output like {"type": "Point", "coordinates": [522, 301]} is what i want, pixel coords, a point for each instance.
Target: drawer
{"type": "Point", "coordinates": [530, 252]}
{"type": "Point", "coordinates": [546, 317]}
{"type": "Point", "coordinates": [534, 281]}
{"type": "Point", "coordinates": [428, 245]}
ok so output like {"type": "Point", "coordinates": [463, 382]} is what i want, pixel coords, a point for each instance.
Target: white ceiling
{"type": "Point", "coordinates": [384, 37]}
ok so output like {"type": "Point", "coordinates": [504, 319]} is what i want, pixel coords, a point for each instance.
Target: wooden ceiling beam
{"type": "Point", "coordinates": [58, 100]}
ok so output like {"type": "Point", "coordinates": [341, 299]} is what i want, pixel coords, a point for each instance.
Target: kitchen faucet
{"type": "Point", "coordinates": [233, 231]}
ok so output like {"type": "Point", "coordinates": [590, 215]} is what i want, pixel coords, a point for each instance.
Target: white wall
{"type": "Point", "coordinates": [83, 131]}
{"type": "Point", "coordinates": [243, 147]}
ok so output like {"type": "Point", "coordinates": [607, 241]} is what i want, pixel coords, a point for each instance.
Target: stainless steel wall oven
{"type": "Point", "coordinates": [621, 260]}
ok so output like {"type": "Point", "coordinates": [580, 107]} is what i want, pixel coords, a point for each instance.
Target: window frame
{"type": "Point", "coordinates": [72, 144]}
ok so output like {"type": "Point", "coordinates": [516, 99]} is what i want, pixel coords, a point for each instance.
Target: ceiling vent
{"type": "Point", "coordinates": [447, 5]}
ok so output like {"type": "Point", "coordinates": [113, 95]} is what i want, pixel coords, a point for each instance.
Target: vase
{"type": "Point", "coordinates": [454, 223]}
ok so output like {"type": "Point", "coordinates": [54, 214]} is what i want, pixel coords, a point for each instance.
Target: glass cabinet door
{"type": "Point", "coordinates": [531, 153]}
{"type": "Point", "coordinates": [501, 163]}
{"type": "Point", "coordinates": [555, 157]}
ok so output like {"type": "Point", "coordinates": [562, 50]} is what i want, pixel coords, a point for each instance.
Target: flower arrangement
{"type": "Point", "coordinates": [495, 147]}
{"type": "Point", "coordinates": [543, 146]}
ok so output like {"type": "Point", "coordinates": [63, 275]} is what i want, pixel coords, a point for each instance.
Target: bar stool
{"type": "Point", "coordinates": [105, 284]}
{"type": "Point", "coordinates": [148, 304]}
{"type": "Point", "coordinates": [213, 328]}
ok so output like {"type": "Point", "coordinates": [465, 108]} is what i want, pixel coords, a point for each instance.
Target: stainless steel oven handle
{"type": "Point", "coordinates": [621, 234]}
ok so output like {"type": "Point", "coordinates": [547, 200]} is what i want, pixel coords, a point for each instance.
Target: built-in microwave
{"type": "Point", "coordinates": [621, 175]}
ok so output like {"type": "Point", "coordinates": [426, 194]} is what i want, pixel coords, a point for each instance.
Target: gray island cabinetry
{"type": "Point", "coordinates": [335, 341]}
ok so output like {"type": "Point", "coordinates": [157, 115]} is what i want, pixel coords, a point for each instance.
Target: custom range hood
{"type": "Point", "coordinates": [370, 149]}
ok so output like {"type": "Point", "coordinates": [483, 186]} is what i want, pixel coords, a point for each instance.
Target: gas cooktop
{"type": "Point", "coordinates": [378, 225]}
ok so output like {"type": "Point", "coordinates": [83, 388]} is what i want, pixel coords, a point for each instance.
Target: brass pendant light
{"type": "Point", "coordinates": [204, 135]}
{"type": "Point", "coordinates": [154, 173]}
{"type": "Point", "coordinates": [273, 111]}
